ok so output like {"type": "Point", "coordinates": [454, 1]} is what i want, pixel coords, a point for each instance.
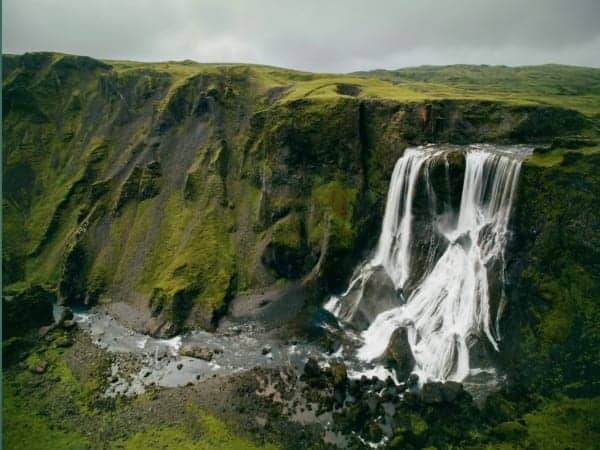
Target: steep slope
{"type": "Point", "coordinates": [179, 190]}
{"type": "Point", "coordinates": [176, 187]}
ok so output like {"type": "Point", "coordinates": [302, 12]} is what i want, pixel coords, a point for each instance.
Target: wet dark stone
{"type": "Point", "coordinates": [373, 402]}
{"type": "Point", "coordinates": [39, 367]}
{"type": "Point", "coordinates": [399, 355]}
{"type": "Point", "coordinates": [311, 368]}
{"type": "Point", "coordinates": [412, 381]}
{"type": "Point", "coordinates": [69, 324]}
{"type": "Point", "coordinates": [339, 395]}
{"type": "Point", "coordinates": [66, 314]}
{"type": "Point", "coordinates": [437, 392]}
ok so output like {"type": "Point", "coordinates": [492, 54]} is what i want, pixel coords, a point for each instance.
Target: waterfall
{"type": "Point", "coordinates": [445, 306]}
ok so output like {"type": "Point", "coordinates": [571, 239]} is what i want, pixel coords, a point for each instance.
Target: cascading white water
{"type": "Point", "coordinates": [448, 309]}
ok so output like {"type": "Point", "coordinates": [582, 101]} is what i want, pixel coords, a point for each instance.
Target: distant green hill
{"type": "Point", "coordinates": [552, 84]}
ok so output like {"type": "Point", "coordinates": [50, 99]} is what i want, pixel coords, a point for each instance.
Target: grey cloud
{"type": "Point", "coordinates": [314, 35]}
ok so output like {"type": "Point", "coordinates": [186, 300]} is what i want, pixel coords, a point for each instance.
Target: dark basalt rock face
{"type": "Point", "coordinates": [378, 294]}
{"type": "Point", "coordinates": [26, 311]}
{"type": "Point", "coordinates": [551, 323]}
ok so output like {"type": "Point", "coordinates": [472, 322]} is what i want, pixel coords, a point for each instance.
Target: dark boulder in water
{"type": "Point", "coordinates": [66, 314]}
{"type": "Point", "coordinates": [374, 294]}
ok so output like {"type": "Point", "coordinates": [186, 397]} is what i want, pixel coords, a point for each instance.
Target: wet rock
{"type": "Point", "coordinates": [179, 366]}
{"type": "Point", "coordinates": [339, 395]}
{"type": "Point", "coordinates": [399, 355]}
{"type": "Point", "coordinates": [266, 350]}
{"type": "Point", "coordinates": [43, 332]}
{"type": "Point", "coordinates": [314, 376]}
{"type": "Point", "coordinates": [69, 324]}
{"type": "Point", "coordinates": [412, 381]}
{"type": "Point", "coordinates": [389, 394]}
{"type": "Point", "coordinates": [377, 384]}
{"type": "Point", "coordinates": [66, 314]}
{"type": "Point", "coordinates": [432, 393]}
{"type": "Point", "coordinates": [39, 367]}
{"type": "Point", "coordinates": [196, 351]}
{"type": "Point", "coordinates": [437, 392]}
{"type": "Point", "coordinates": [451, 391]}
{"type": "Point", "coordinates": [373, 402]}
{"type": "Point", "coordinates": [377, 295]}
{"type": "Point", "coordinates": [311, 368]}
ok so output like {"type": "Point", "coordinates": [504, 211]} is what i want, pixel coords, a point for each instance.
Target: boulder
{"type": "Point", "coordinates": [451, 391]}
{"type": "Point", "coordinates": [399, 355]}
{"type": "Point", "coordinates": [377, 295]}
{"type": "Point", "coordinates": [39, 367]}
{"type": "Point", "coordinates": [196, 351]}
{"type": "Point", "coordinates": [314, 376]}
{"type": "Point", "coordinates": [438, 392]}
{"type": "Point", "coordinates": [311, 368]}
{"type": "Point", "coordinates": [266, 349]}
{"type": "Point", "coordinates": [69, 324]}
{"type": "Point", "coordinates": [27, 310]}
{"type": "Point", "coordinates": [66, 314]}
{"type": "Point", "coordinates": [412, 381]}
{"type": "Point", "coordinates": [431, 393]}
{"type": "Point", "coordinates": [339, 374]}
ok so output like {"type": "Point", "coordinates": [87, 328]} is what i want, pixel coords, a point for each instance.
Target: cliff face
{"type": "Point", "coordinates": [552, 324]}
{"type": "Point", "coordinates": [177, 187]}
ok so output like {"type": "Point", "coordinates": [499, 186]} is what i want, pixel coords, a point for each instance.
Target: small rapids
{"type": "Point", "coordinates": [142, 360]}
{"type": "Point", "coordinates": [450, 299]}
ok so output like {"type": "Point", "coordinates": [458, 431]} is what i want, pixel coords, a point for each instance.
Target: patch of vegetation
{"type": "Point", "coordinates": [24, 428]}
{"type": "Point", "coordinates": [211, 434]}
{"type": "Point", "coordinates": [552, 84]}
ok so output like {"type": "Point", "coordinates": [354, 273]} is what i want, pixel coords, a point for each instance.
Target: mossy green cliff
{"type": "Point", "coordinates": [175, 187]}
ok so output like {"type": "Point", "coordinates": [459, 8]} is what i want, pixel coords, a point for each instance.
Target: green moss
{"type": "Point", "coordinates": [568, 86]}
{"type": "Point", "coordinates": [556, 156]}
{"type": "Point", "coordinates": [417, 425]}
{"type": "Point", "coordinates": [334, 205]}
{"type": "Point", "coordinates": [213, 434]}
{"type": "Point", "coordinates": [193, 252]}
{"type": "Point", "coordinates": [26, 429]}
{"type": "Point", "coordinates": [565, 423]}
{"type": "Point", "coordinates": [288, 232]}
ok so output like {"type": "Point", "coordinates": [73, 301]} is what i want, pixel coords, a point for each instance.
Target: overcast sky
{"type": "Point", "coordinates": [318, 35]}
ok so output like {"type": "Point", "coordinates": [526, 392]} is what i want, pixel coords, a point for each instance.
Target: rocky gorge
{"type": "Point", "coordinates": [213, 209]}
